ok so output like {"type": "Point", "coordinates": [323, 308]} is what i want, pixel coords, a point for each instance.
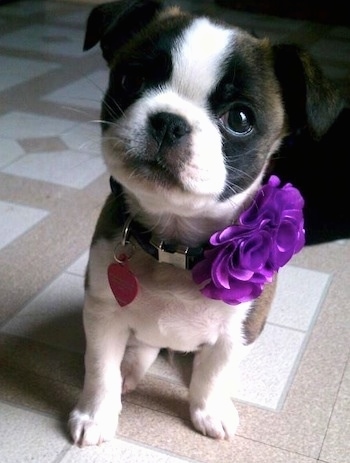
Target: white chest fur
{"type": "Point", "coordinates": [169, 310]}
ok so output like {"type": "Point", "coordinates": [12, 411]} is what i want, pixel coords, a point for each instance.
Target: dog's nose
{"type": "Point", "coordinates": [168, 128]}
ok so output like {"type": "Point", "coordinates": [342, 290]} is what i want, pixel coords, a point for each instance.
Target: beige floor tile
{"type": "Point", "coordinates": [336, 447]}
{"type": "Point", "coordinates": [39, 377]}
{"type": "Point", "coordinates": [178, 437]}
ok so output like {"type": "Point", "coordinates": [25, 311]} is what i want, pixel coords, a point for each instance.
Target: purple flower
{"type": "Point", "coordinates": [244, 257]}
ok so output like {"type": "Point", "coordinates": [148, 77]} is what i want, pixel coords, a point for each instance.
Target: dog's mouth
{"type": "Point", "coordinates": [155, 171]}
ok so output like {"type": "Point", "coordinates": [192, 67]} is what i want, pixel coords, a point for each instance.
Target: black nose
{"type": "Point", "coordinates": [168, 128]}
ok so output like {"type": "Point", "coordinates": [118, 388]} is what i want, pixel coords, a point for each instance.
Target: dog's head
{"type": "Point", "coordinates": [195, 108]}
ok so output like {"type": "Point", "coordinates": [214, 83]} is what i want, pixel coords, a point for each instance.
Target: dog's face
{"type": "Point", "coordinates": [194, 108]}
{"type": "Point", "coordinates": [199, 110]}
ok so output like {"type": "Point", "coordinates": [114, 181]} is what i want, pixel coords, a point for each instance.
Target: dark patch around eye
{"type": "Point", "coordinates": [145, 64]}
{"type": "Point", "coordinates": [239, 104]}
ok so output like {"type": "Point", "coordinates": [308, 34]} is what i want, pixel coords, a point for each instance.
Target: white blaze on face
{"type": "Point", "coordinates": [197, 59]}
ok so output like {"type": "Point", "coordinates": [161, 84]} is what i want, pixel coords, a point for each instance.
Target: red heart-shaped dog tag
{"type": "Point", "coordinates": [123, 283]}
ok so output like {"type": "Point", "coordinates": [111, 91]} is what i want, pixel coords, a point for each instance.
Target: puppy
{"type": "Point", "coordinates": [193, 113]}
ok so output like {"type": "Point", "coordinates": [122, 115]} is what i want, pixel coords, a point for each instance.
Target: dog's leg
{"type": "Point", "coordinates": [211, 407]}
{"type": "Point", "coordinates": [137, 359]}
{"type": "Point", "coordinates": [95, 418]}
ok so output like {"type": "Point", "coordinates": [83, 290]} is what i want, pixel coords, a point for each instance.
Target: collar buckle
{"type": "Point", "coordinates": [179, 255]}
{"type": "Point", "coordinates": [170, 254]}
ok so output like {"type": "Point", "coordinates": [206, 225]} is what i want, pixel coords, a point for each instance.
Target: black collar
{"type": "Point", "coordinates": [176, 254]}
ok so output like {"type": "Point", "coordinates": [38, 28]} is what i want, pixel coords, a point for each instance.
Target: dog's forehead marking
{"type": "Point", "coordinates": [197, 57]}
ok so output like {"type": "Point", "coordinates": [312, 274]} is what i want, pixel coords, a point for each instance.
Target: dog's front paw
{"type": "Point", "coordinates": [219, 420]}
{"type": "Point", "coordinates": [88, 430]}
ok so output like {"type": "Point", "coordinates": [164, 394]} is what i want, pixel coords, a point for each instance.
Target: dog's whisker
{"type": "Point", "coordinates": [74, 109]}
{"type": "Point", "coordinates": [111, 105]}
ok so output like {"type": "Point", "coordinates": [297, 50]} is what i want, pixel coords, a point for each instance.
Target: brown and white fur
{"type": "Point", "coordinates": [193, 113]}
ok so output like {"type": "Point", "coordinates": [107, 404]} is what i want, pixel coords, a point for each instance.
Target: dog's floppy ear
{"type": "Point", "coordinates": [310, 98]}
{"type": "Point", "coordinates": [113, 24]}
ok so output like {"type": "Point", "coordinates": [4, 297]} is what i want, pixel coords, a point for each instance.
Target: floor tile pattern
{"type": "Point", "coordinates": [293, 397]}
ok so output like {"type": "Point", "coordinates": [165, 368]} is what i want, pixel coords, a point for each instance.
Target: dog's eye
{"type": "Point", "coordinates": [239, 119]}
{"type": "Point", "coordinates": [133, 82]}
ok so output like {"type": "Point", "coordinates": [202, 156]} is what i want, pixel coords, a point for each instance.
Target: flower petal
{"type": "Point", "coordinates": [245, 256]}
{"type": "Point", "coordinates": [219, 271]}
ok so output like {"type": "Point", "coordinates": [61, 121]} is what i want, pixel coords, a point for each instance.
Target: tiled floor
{"type": "Point", "coordinates": [294, 399]}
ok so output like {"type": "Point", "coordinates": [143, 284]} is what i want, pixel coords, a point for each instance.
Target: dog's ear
{"type": "Point", "coordinates": [311, 100]}
{"type": "Point", "coordinates": [113, 24]}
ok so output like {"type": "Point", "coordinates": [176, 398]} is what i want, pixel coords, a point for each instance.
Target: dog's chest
{"type": "Point", "coordinates": [170, 312]}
